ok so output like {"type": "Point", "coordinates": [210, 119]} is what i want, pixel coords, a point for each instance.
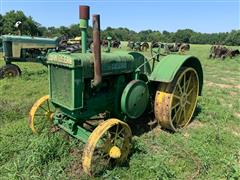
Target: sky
{"type": "Point", "coordinates": [200, 15]}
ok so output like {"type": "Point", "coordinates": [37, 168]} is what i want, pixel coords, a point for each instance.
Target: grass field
{"type": "Point", "coordinates": [209, 148]}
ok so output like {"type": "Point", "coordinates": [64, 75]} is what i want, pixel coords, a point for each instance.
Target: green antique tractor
{"type": "Point", "coordinates": [24, 49]}
{"type": "Point", "coordinates": [90, 92]}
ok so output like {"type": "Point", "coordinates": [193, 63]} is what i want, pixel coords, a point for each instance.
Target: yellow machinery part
{"type": "Point", "coordinates": [175, 102]}
{"type": "Point", "coordinates": [110, 140]}
{"type": "Point", "coordinates": [41, 109]}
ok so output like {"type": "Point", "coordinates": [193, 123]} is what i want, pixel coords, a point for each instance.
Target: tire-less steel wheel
{"type": "Point", "coordinates": [41, 114]}
{"type": "Point", "coordinates": [10, 70]}
{"type": "Point", "coordinates": [109, 144]}
{"type": "Point", "coordinates": [175, 102]}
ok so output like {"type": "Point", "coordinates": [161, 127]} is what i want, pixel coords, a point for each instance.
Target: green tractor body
{"type": "Point", "coordinates": [88, 88]}
{"type": "Point", "coordinates": [71, 75]}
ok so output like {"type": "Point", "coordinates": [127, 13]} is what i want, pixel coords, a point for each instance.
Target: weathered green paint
{"type": "Point", "coordinates": [75, 130]}
{"type": "Point", "coordinates": [29, 39]}
{"type": "Point", "coordinates": [135, 98]}
{"type": "Point", "coordinates": [166, 69]}
{"type": "Point", "coordinates": [84, 26]}
{"type": "Point", "coordinates": [70, 76]}
{"type": "Point", "coordinates": [14, 48]}
{"type": "Point", "coordinates": [112, 63]}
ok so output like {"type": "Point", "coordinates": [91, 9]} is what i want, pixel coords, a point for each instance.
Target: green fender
{"type": "Point", "coordinates": [166, 69]}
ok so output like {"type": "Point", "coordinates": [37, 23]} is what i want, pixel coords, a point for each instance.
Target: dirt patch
{"type": "Point", "coordinates": [232, 80]}
{"type": "Point", "coordinates": [211, 84]}
{"type": "Point", "coordinates": [75, 169]}
{"type": "Point", "coordinates": [195, 124]}
{"type": "Point", "coordinates": [234, 130]}
{"type": "Point", "coordinates": [237, 114]}
{"type": "Point", "coordinates": [232, 93]}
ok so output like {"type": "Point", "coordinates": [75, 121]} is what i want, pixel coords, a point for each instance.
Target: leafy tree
{"type": "Point", "coordinates": [233, 38]}
{"type": "Point", "coordinates": [183, 36]}
{"type": "Point", "coordinates": [28, 27]}
{"type": "Point", "coordinates": [31, 27]}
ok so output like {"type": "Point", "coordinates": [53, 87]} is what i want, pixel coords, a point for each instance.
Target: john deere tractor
{"type": "Point", "coordinates": [23, 49]}
{"type": "Point", "coordinates": [94, 96]}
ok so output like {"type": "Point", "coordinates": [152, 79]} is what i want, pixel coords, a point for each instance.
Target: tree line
{"type": "Point", "coordinates": [33, 28]}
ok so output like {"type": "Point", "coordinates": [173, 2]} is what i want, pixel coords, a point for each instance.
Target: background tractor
{"type": "Point", "coordinates": [94, 96]}
{"type": "Point", "coordinates": [24, 49]}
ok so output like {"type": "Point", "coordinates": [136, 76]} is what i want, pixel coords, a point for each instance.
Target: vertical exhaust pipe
{"type": "Point", "coordinates": [84, 17]}
{"type": "Point", "coordinates": [97, 51]}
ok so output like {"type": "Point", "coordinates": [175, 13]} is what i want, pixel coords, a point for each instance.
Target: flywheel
{"type": "Point", "coordinates": [135, 99]}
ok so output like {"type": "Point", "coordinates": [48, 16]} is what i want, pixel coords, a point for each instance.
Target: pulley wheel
{"type": "Point", "coordinates": [135, 99]}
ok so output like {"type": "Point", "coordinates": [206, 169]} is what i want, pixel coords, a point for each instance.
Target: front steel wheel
{"type": "Point", "coordinates": [41, 114]}
{"type": "Point", "coordinates": [175, 102]}
{"type": "Point", "coordinates": [109, 144]}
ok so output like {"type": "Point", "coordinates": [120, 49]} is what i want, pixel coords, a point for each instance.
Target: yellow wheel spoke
{"type": "Point", "coordinates": [180, 115]}
{"type": "Point", "coordinates": [175, 115]}
{"type": "Point", "coordinates": [184, 83]}
{"type": "Point", "coordinates": [188, 102]}
{"type": "Point", "coordinates": [189, 81]}
{"type": "Point", "coordinates": [190, 92]}
{"type": "Point", "coordinates": [105, 155]}
{"type": "Point", "coordinates": [180, 88]}
{"type": "Point", "coordinates": [43, 108]}
{"type": "Point", "coordinates": [176, 105]}
{"type": "Point", "coordinates": [176, 96]}
{"type": "Point", "coordinates": [116, 134]}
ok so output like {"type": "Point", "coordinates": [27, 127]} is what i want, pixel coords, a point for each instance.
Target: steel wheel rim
{"type": "Point", "coordinates": [41, 114]}
{"type": "Point", "coordinates": [96, 155]}
{"type": "Point", "coordinates": [184, 98]}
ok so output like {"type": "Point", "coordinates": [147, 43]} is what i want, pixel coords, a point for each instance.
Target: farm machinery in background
{"type": "Point", "coordinates": [138, 46]}
{"type": "Point", "coordinates": [35, 49]}
{"type": "Point", "coordinates": [169, 48]}
{"type": "Point", "coordinates": [94, 96]}
{"type": "Point", "coordinates": [219, 51]}
{"type": "Point", "coordinates": [24, 49]}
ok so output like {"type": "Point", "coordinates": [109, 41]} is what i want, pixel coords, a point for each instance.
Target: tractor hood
{"type": "Point", "coordinates": [112, 63]}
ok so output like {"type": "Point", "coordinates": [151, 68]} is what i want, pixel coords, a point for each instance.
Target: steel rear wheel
{"type": "Point", "coordinates": [41, 114]}
{"type": "Point", "coordinates": [108, 145]}
{"type": "Point", "coordinates": [175, 102]}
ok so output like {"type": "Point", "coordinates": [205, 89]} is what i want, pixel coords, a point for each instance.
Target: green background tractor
{"type": "Point", "coordinates": [94, 96]}
{"type": "Point", "coordinates": [24, 49]}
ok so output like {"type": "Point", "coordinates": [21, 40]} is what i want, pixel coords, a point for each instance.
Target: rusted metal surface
{"type": "Point", "coordinates": [219, 51]}
{"type": "Point", "coordinates": [97, 51]}
{"type": "Point", "coordinates": [84, 12]}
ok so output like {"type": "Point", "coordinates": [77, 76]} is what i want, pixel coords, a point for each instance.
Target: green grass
{"type": "Point", "coordinates": [209, 148]}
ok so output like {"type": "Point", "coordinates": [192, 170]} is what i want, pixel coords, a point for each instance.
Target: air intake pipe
{"type": "Point", "coordinates": [84, 17]}
{"type": "Point", "coordinates": [96, 51]}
